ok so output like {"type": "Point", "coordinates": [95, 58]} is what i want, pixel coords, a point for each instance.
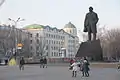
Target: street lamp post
{"type": "Point", "coordinates": [1, 2]}
{"type": "Point", "coordinates": [15, 33]}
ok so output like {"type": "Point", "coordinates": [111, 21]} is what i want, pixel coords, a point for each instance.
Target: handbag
{"type": "Point", "coordinates": [79, 65]}
{"type": "Point", "coordinates": [81, 69]}
{"type": "Point", "coordinates": [70, 68]}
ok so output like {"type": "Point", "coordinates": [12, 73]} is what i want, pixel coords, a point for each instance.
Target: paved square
{"type": "Point", "coordinates": [34, 72]}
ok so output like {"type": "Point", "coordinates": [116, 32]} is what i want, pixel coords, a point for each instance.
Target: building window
{"type": "Point", "coordinates": [49, 35]}
{"type": "Point", "coordinates": [37, 48]}
{"type": "Point", "coordinates": [62, 43]}
{"type": "Point", "coordinates": [31, 48]}
{"type": "Point", "coordinates": [30, 35]}
{"type": "Point", "coordinates": [47, 54]}
{"type": "Point", "coordinates": [31, 41]}
{"type": "Point", "coordinates": [37, 41]}
{"type": "Point", "coordinates": [49, 41]}
{"type": "Point", "coordinates": [31, 54]}
{"type": "Point", "coordinates": [46, 47]}
{"type": "Point", "coordinates": [59, 42]}
{"type": "Point", "coordinates": [37, 53]}
{"type": "Point", "coordinates": [56, 36]}
{"type": "Point", "coordinates": [60, 54]}
{"type": "Point", "coordinates": [52, 47]}
{"type": "Point", "coordinates": [61, 37]}
{"type": "Point", "coordinates": [52, 53]}
{"type": "Point", "coordinates": [54, 42]}
{"type": "Point", "coordinates": [56, 54]}
{"type": "Point", "coordinates": [57, 48]}
{"type": "Point", "coordinates": [37, 35]}
{"type": "Point", "coordinates": [69, 41]}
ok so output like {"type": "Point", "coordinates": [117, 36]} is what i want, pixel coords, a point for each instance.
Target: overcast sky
{"type": "Point", "coordinates": [57, 13]}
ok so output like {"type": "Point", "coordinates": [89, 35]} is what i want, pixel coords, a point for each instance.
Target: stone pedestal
{"type": "Point", "coordinates": [90, 49]}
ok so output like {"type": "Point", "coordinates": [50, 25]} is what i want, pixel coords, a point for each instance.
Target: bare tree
{"type": "Point", "coordinates": [41, 48]}
{"type": "Point", "coordinates": [5, 37]}
{"type": "Point", "coordinates": [110, 43]}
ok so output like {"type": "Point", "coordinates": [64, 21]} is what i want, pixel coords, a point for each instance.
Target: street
{"type": "Point", "coordinates": [34, 72]}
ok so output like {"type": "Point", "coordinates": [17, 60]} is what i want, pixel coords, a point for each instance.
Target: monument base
{"type": "Point", "coordinates": [91, 49]}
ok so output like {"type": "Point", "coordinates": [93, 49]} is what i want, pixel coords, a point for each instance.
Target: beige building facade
{"type": "Point", "coordinates": [53, 42]}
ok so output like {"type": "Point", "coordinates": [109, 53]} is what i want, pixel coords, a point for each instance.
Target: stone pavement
{"type": "Point", "coordinates": [93, 64]}
{"type": "Point", "coordinates": [55, 73]}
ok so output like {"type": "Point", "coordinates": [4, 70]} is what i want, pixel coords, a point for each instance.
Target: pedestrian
{"type": "Point", "coordinates": [71, 61]}
{"type": "Point", "coordinates": [118, 66]}
{"type": "Point", "coordinates": [74, 69]}
{"type": "Point", "coordinates": [85, 68]}
{"type": "Point", "coordinates": [21, 64]}
{"type": "Point", "coordinates": [41, 63]}
{"type": "Point", "coordinates": [45, 62]}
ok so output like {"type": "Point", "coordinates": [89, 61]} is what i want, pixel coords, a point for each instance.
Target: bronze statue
{"type": "Point", "coordinates": [90, 22]}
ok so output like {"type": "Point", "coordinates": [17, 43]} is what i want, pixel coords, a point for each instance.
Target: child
{"type": "Point", "coordinates": [74, 69]}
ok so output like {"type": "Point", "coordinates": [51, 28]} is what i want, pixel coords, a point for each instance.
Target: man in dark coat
{"type": "Point", "coordinates": [90, 22]}
{"type": "Point", "coordinates": [45, 62]}
{"type": "Point", "coordinates": [41, 63]}
{"type": "Point", "coordinates": [21, 65]}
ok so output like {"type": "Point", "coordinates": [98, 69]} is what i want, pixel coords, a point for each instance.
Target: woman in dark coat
{"type": "Point", "coordinates": [85, 68]}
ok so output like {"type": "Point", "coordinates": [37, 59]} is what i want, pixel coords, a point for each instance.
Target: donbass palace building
{"type": "Point", "coordinates": [53, 42]}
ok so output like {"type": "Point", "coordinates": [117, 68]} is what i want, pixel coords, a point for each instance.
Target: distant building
{"type": "Point", "coordinates": [72, 38]}
{"type": "Point", "coordinates": [53, 42]}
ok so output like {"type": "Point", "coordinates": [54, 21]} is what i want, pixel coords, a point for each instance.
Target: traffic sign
{"type": "Point", "coordinates": [19, 45]}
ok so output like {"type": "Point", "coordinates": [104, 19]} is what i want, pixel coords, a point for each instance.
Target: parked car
{"type": "Point", "coordinates": [4, 61]}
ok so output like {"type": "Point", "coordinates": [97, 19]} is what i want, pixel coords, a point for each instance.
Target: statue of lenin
{"type": "Point", "coordinates": [90, 22]}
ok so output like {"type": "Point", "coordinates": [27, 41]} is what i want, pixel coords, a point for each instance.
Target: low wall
{"type": "Point", "coordinates": [96, 65]}
{"type": "Point", "coordinates": [104, 65]}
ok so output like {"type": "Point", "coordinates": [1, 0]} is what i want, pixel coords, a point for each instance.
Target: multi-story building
{"type": "Point", "coordinates": [73, 40]}
{"type": "Point", "coordinates": [53, 42]}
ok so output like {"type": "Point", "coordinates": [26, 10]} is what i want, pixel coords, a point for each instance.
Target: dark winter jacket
{"type": "Point", "coordinates": [22, 62]}
{"type": "Point", "coordinates": [45, 61]}
{"type": "Point", "coordinates": [41, 61]}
